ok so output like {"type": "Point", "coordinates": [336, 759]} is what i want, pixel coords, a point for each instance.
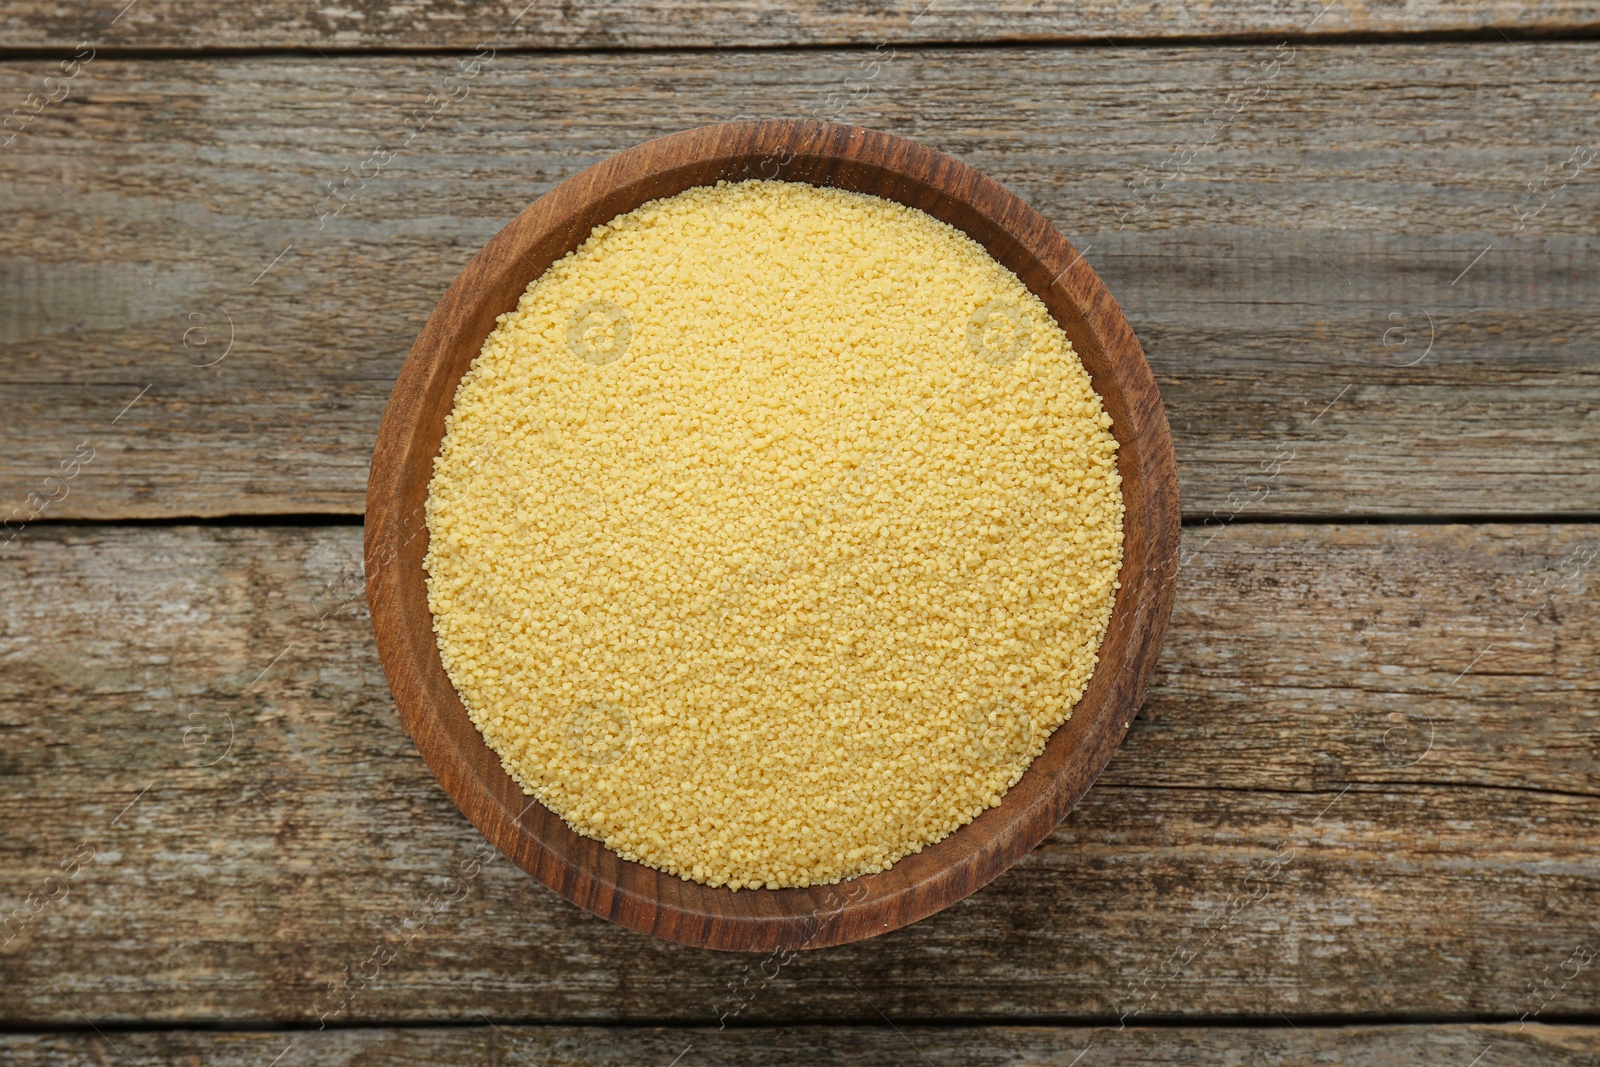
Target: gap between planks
{"type": "Point", "coordinates": [1507, 36]}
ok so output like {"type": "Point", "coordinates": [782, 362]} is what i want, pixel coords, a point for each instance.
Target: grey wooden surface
{"type": "Point", "coordinates": [1362, 785]}
{"type": "Point", "coordinates": [1356, 820]}
{"type": "Point", "coordinates": [186, 25]}
{"type": "Point", "coordinates": [1534, 1045]}
{"type": "Point", "coordinates": [1311, 288]}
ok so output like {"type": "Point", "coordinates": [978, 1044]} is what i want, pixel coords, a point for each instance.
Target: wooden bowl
{"type": "Point", "coordinates": [585, 871]}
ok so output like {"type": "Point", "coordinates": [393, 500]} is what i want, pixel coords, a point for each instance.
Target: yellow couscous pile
{"type": "Point", "coordinates": [773, 533]}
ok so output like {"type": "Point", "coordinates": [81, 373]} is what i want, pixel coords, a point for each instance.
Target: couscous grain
{"type": "Point", "coordinates": [773, 533]}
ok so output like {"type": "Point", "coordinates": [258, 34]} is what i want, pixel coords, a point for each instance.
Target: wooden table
{"type": "Point", "coordinates": [1356, 821]}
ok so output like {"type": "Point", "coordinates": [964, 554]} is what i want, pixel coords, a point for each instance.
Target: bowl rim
{"type": "Point", "coordinates": [583, 870]}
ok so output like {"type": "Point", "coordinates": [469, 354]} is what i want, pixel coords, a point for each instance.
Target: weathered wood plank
{"type": "Point", "coordinates": [1535, 1045]}
{"type": "Point", "coordinates": [300, 24]}
{"type": "Point", "coordinates": [1358, 213]}
{"type": "Point", "coordinates": [200, 737]}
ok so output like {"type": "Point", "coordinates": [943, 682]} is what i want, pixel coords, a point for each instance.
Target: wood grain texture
{"type": "Point", "coordinates": [1535, 1045]}
{"type": "Point", "coordinates": [432, 24]}
{"type": "Point", "coordinates": [1276, 288]}
{"type": "Point", "coordinates": [396, 541]}
{"type": "Point", "coordinates": [1365, 783]}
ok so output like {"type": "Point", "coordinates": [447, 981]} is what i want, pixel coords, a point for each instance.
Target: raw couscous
{"type": "Point", "coordinates": [773, 533]}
